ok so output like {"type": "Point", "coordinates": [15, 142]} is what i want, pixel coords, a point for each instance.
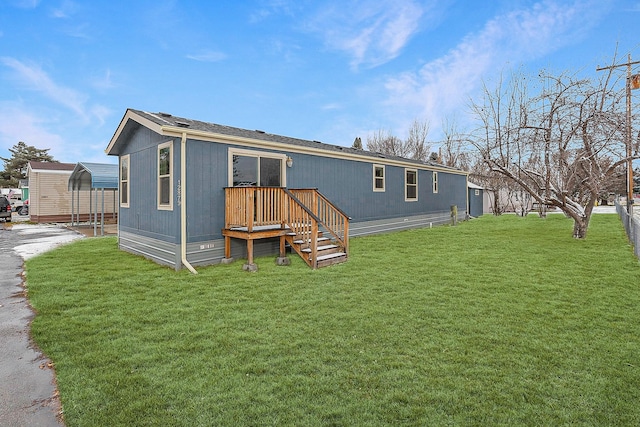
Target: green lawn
{"type": "Point", "coordinates": [499, 321]}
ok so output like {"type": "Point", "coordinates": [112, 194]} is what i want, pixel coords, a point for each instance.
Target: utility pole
{"type": "Point", "coordinates": [629, 86]}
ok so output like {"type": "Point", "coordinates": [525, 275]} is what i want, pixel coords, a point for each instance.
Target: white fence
{"type": "Point", "coordinates": [631, 226]}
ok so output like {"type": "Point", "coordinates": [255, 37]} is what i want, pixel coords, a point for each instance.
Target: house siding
{"type": "Point", "coordinates": [349, 185]}
{"type": "Point", "coordinates": [142, 216]}
{"type": "Point", "coordinates": [206, 179]}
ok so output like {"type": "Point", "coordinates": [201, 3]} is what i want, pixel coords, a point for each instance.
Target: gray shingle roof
{"type": "Point", "coordinates": [166, 119]}
{"type": "Point", "coordinates": [52, 166]}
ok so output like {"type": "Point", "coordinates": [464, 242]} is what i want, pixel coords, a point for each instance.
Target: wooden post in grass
{"type": "Point", "coordinates": [454, 214]}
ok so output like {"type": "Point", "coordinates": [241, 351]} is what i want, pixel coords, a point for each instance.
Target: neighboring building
{"type": "Point", "coordinates": [186, 187]}
{"type": "Point", "coordinates": [476, 200]}
{"type": "Point", "coordinates": [24, 186]}
{"type": "Point", "coordinates": [50, 199]}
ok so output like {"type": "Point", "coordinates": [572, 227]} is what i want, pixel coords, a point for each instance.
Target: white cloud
{"type": "Point", "coordinates": [104, 82]}
{"type": "Point", "coordinates": [207, 56]}
{"type": "Point", "coordinates": [26, 4]}
{"type": "Point", "coordinates": [101, 113]}
{"type": "Point", "coordinates": [64, 10]}
{"type": "Point", "coordinates": [332, 106]}
{"type": "Point", "coordinates": [371, 32]}
{"type": "Point", "coordinates": [36, 79]}
{"type": "Point", "coordinates": [16, 125]}
{"type": "Point", "coordinates": [444, 85]}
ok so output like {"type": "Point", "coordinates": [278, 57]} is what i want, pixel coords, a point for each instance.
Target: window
{"type": "Point", "coordinates": [378, 178]}
{"type": "Point", "coordinates": [477, 193]}
{"type": "Point", "coordinates": [435, 182]}
{"type": "Point", "coordinates": [253, 168]}
{"type": "Point", "coordinates": [165, 186]}
{"type": "Point", "coordinates": [124, 181]}
{"type": "Point", "coordinates": [411, 185]}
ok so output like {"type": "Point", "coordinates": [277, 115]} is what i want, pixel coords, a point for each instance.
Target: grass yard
{"type": "Point", "coordinates": [499, 321]}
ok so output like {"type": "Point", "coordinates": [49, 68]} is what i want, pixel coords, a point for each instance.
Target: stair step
{"type": "Point", "coordinates": [300, 241]}
{"type": "Point", "coordinates": [330, 256]}
{"type": "Point", "coordinates": [321, 248]}
{"type": "Point", "coordinates": [331, 259]}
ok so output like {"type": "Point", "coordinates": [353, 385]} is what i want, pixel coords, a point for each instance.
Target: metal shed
{"type": "Point", "coordinates": [96, 178]}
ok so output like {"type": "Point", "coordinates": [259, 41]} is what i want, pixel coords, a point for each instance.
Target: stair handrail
{"type": "Point", "coordinates": [342, 239]}
{"type": "Point", "coordinates": [313, 228]}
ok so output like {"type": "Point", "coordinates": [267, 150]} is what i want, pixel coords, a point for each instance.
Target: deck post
{"type": "Point", "coordinates": [283, 259]}
{"type": "Point", "coordinates": [250, 265]}
{"type": "Point", "coordinates": [227, 251]}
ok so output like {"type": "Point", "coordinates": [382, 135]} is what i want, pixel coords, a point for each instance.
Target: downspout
{"type": "Point", "coordinates": [183, 203]}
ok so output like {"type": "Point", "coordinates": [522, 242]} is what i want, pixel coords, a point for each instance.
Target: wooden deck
{"type": "Point", "coordinates": [299, 217]}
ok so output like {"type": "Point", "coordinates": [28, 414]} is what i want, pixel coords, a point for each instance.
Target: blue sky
{"type": "Point", "coordinates": [326, 70]}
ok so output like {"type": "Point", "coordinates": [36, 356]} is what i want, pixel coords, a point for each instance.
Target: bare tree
{"type": "Point", "coordinates": [561, 146]}
{"type": "Point", "coordinates": [414, 147]}
{"type": "Point", "coordinates": [382, 141]}
{"type": "Point", "coordinates": [455, 150]}
{"type": "Point", "coordinates": [416, 142]}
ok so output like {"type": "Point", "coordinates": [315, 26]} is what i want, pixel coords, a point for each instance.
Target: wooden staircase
{"type": "Point", "coordinates": [305, 219]}
{"type": "Point", "coordinates": [327, 251]}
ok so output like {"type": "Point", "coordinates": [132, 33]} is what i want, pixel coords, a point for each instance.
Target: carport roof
{"type": "Point", "coordinates": [91, 176]}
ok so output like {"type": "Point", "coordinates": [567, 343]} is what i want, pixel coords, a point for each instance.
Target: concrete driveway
{"type": "Point", "coordinates": [28, 394]}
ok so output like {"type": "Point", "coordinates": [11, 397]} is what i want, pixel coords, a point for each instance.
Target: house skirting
{"type": "Point", "coordinates": [387, 225]}
{"type": "Point", "coordinates": [212, 251]}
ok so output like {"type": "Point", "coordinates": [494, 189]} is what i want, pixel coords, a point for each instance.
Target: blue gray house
{"type": "Point", "coordinates": [194, 193]}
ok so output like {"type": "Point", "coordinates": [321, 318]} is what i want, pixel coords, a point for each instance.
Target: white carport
{"type": "Point", "coordinates": [95, 178]}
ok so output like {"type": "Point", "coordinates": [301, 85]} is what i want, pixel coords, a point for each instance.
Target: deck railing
{"type": "Point", "coordinates": [303, 211]}
{"type": "Point", "coordinates": [252, 207]}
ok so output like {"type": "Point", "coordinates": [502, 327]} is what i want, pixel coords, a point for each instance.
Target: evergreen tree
{"type": "Point", "coordinates": [15, 167]}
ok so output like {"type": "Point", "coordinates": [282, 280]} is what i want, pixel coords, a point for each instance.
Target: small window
{"type": "Point", "coordinates": [124, 181]}
{"type": "Point", "coordinates": [477, 192]}
{"type": "Point", "coordinates": [435, 182]}
{"type": "Point", "coordinates": [165, 187]}
{"type": "Point", "coordinates": [378, 178]}
{"type": "Point", "coordinates": [411, 185]}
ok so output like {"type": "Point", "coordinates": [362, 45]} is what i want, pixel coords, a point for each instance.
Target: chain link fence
{"type": "Point", "coordinates": [631, 226]}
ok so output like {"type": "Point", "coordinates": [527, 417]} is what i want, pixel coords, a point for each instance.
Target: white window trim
{"type": "Point", "coordinates": [406, 199]}
{"type": "Point", "coordinates": [126, 158]}
{"type": "Point", "coordinates": [258, 154]}
{"type": "Point", "coordinates": [168, 207]}
{"type": "Point", "coordinates": [384, 178]}
{"type": "Point", "coordinates": [435, 182]}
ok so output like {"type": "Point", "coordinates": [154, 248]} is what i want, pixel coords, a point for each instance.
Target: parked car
{"type": "Point", "coordinates": [5, 209]}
